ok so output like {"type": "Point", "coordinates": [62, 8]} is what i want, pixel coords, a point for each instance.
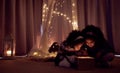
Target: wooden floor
{"type": "Point", "coordinates": [25, 65]}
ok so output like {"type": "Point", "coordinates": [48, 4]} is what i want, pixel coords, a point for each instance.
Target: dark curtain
{"type": "Point", "coordinates": [103, 14]}
{"type": "Point", "coordinates": [22, 19]}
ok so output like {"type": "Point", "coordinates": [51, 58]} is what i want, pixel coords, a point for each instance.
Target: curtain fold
{"type": "Point", "coordinates": [2, 23]}
{"type": "Point", "coordinates": [19, 19]}
{"type": "Point", "coordinates": [21, 31]}
{"type": "Point", "coordinates": [115, 16]}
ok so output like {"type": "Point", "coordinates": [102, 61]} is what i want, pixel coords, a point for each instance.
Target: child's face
{"type": "Point", "coordinates": [90, 42]}
{"type": "Point", "coordinates": [78, 46]}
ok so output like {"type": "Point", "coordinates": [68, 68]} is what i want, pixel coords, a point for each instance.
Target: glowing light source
{"type": "Point", "coordinates": [75, 26]}
{"type": "Point", "coordinates": [49, 22]}
{"type": "Point", "coordinates": [47, 8]}
{"type": "Point", "coordinates": [44, 5]}
{"type": "Point", "coordinates": [35, 53]}
{"type": "Point", "coordinates": [8, 52]}
{"type": "Point", "coordinates": [53, 54]}
{"type": "Point", "coordinates": [53, 10]}
{"type": "Point", "coordinates": [73, 4]}
{"type": "Point", "coordinates": [85, 57]}
{"type": "Point", "coordinates": [64, 15]}
{"type": "Point", "coordinates": [8, 46]}
{"type": "Point", "coordinates": [70, 21]}
{"type": "Point", "coordinates": [61, 14]}
{"type": "Point", "coordinates": [43, 20]}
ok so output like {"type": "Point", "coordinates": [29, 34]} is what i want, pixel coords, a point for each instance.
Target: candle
{"type": "Point", "coordinates": [8, 52]}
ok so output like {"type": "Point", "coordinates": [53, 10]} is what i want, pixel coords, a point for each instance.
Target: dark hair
{"type": "Point", "coordinates": [74, 37]}
{"type": "Point", "coordinates": [91, 36]}
{"type": "Point", "coordinates": [54, 47]}
{"type": "Point", "coordinates": [94, 32]}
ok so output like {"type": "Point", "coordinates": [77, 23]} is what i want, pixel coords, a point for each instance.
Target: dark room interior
{"type": "Point", "coordinates": [31, 26]}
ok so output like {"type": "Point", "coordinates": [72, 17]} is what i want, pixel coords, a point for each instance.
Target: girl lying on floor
{"type": "Point", "coordinates": [97, 46]}
{"type": "Point", "coordinates": [69, 50]}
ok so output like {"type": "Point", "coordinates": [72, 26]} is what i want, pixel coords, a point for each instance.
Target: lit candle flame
{"type": "Point", "coordinates": [9, 52]}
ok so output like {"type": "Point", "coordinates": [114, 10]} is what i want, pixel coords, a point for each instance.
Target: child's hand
{"type": "Point", "coordinates": [77, 49]}
{"type": "Point", "coordinates": [85, 53]}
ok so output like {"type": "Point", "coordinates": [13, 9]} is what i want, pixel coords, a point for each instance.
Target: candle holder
{"type": "Point", "coordinates": [8, 47]}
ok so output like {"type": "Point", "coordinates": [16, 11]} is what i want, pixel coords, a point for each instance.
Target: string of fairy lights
{"type": "Point", "coordinates": [55, 10]}
{"type": "Point", "coordinates": [64, 15]}
{"type": "Point", "coordinates": [72, 21]}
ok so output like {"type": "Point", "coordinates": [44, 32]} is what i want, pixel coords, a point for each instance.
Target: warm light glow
{"type": "Point", "coordinates": [53, 54]}
{"type": "Point", "coordinates": [69, 21]}
{"type": "Point", "coordinates": [73, 17]}
{"type": "Point", "coordinates": [73, 4]}
{"type": "Point", "coordinates": [35, 53]}
{"type": "Point", "coordinates": [61, 14]}
{"type": "Point", "coordinates": [73, 11]}
{"type": "Point", "coordinates": [44, 5]}
{"type": "Point", "coordinates": [51, 41]}
{"type": "Point", "coordinates": [75, 26]}
{"type": "Point", "coordinates": [8, 52]}
{"type": "Point", "coordinates": [43, 11]}
{"type": "Point", "coordinates": [43, 15]}
{"type": "Point", "coordinates": [53, 12]}
{"type": "Point", "coordinates": [47, 8]}
{"type": "Point", "coordinates": [85, 57]}
{"type": "Point", "coordinates": [67, 18]}
{"type": "Point", "coordinates": [58, 13]}
{"type": "Point", "coordinates": [49, 22]}
{"type": "Point", "coordinates": [64, 15]}
{"type": "Point", "coordinates": [43, 20]}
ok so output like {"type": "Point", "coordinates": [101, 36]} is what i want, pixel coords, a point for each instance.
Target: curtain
{"type": "Point", "coordinates": [103, 14]}
{"type": "Point", "coordinates": [59, 17]}
{"type": "Point", "coordinates": [115, 18]}
{"type": "Point", "coordinates": [23, 19]}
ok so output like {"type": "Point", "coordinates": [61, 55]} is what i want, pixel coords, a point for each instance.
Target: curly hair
{"type": "Point", "coordinates": [91, 31]}
{"type": "Point", "coordinates": [74, 38]}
